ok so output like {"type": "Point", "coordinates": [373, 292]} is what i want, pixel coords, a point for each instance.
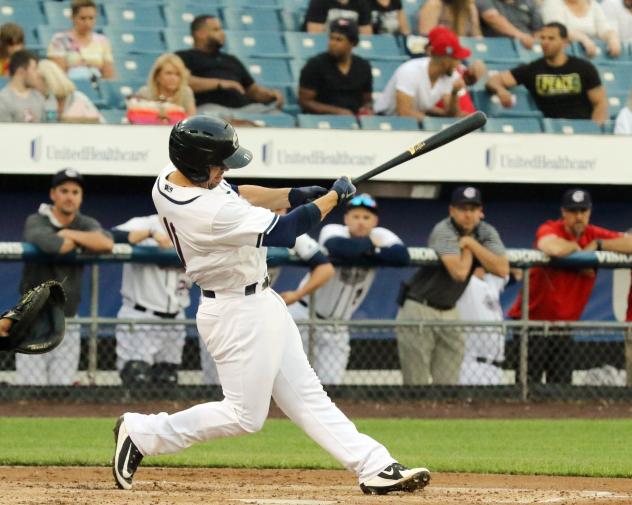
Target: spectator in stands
{"type": "Point", "coordinates": [322, 12]}
{"type": "Point", "coordinates": [11, 40]}
{"type": "Point", "coordinates": [150, 353]}
{"type": "Point", "coordinates": [73, 106]}
{"type": "Point", "coordinates": [623, 124]}
{"type": "Point", "coordinates": [59, 229]}
{"type": "Point", "coordinates": [20, 100]}
{"type": "Point", "coordinates": [460, 16]}
{"type": "Point", "coordinates": [420, 83]}
{"type": "Point", "coordinates": [461, 241]}
{"type": "Point", "coordinates": [561, 294]}
{"type": "Point", "coordinates": [518, 19]}
{"type": "Point", "coordinates": [562, 86]}
{"type": "Point", "coordinates": [167, 97]}
{"type": "Point", "coordinates": [337, 81]}
{"type": "Point", "coordinates": [619, 15]}
{"type": "Point", "coordinates": [220, 82]}
{"type": "Point", "coordinates": [584, 20]}
{"type": "Point", "coordinates": [388, 16]}
{"type": "Point", "coordinates": [81, 52]}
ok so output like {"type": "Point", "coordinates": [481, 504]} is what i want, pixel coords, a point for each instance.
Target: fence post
{"type": "Point", "coordinates": [94, 326]}
{"type": "Point", "coordinates": [524, 338]}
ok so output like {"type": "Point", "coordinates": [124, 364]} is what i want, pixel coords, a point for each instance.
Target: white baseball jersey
{"type": "Point", "coordinates": [155, 288]}
{"type": "Point", "coordinates": [344, 293]}
{"type": "Point", "coordinates": [305, 248]}
{"type": "Point", "coordinates": [218, 235]}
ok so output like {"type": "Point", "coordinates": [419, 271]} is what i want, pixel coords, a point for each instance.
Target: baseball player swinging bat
{"type": "Point", "coordinates": [456, 130]}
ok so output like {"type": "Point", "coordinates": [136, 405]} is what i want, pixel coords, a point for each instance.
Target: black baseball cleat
{"type": "Point", "coordinates": [396, 477]}
{"type": "Point", "coordinates": [127, 457]}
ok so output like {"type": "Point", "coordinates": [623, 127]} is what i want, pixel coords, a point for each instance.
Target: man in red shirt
{"type": "Point", "coordinates": [560, 294]}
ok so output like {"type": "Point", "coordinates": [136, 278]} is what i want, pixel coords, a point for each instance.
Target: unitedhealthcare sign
{"type": "Point", "coordinates": [272, 155]}
{"type": "Point", "coordinates": [520, 157]}
{"type": "Point", "coordinates": [61, 153]}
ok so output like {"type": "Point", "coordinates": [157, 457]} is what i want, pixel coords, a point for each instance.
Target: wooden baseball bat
{"type": "Point", "coordinates": [454, 131]}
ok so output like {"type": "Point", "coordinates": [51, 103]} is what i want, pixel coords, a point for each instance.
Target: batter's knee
{"type": "Point", "coordinates": [251, 422]}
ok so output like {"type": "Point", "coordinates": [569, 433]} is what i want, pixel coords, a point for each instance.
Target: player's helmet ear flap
{"type": "Point", "coordinates": [200, 142]}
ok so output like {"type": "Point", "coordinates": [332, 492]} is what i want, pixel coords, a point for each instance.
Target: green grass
{"type": "Point", "coordinates": [554, 447]}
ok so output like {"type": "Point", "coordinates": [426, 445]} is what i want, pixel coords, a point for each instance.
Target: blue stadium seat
{"type": "Point", "coordinates": [269, 72]}
{"type": "Point", "coordinates": [296, 65]}
{"type": "Point", "coordinates": [115, 92]}
{"type": "Point", "coordinates": [3, 81]}
{"type": "Point", "coordinates": [382, 71]}
{"type": "Point", "coordinates": [571, 126]}
{"type": "Point", "coordinates": [616, 78]}
{"type": "Point", "coordinates": [616, 102]}
{"type": "Point", "coordinates": [326, 121]}
{"type": "Point", "coordinates": [259, 4]}
{"type": "Point", "coordinates": [256, 44]}
{"type": "Point", "coordinates": [434, 124]}
{"type": "Point", "coordinates": [135, 40]}
{"type": "Point", "coordinates": [412, 6]}
{"type": "Point", "coordinates": [513, 125]}
{"type": "Point", "coordinates": [527, 55]}
{"type": "Point", "coordinates": [45, 34]}
{"type": "Point", "coordinates": [177, 39]}
{"type": "Point", "coordinates": [246, 18]}
{"type": "Point", "coordinates": [292, 20]}
{"type": "Point", "coordinates": [134, 15]}
{"type": "Point", "coordinates": [492, 49]}
{"type": "Point", "coordinates": [58, 14]}
{"type": "Point", "coordinates": [388, 123]}
{"type": "Point", "coordinates": [133, 66]}
{"type": "Point", "coordinates": [24, 13]}
{"type": "Point", "coordinates": [305, 45]}
{"type": "Point", "coordinates": [379, 47]}
{"type": "Point", "coordinates": [114, 116]}
{"type": "Point", "coordinates": [269, 120]}
{"type": "Point", "coordinates": [602, 56]}
{"type": "Point", "coordinates": [179, 15]}
{"type": "Point", "coordinates": [490, 104]}
{"type": "Point", "coordinates": [93, 93]}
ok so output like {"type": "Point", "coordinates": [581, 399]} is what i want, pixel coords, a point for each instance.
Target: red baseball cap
{"type": "Point", "coordinates": [444, 42]}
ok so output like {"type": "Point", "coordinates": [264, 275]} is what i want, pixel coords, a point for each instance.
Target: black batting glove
{"type": "Point", "coordinates": [345, 189]}
{"type": "Point", "coordinates": [305, 194]}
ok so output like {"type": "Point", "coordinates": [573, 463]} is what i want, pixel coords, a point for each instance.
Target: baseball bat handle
{"type": "Point", "coordinates": [454, 131]}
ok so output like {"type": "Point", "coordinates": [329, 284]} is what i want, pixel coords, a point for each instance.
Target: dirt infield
{"type": "Point", "coordinates": [156, 486]}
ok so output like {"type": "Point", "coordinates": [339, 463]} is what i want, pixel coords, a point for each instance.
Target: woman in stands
{"type": "Point", "coordinates": [81, 52]}
{"type": "Point", "coordinates": [11, 40]}
{"type": "Point", "coordinates": [585, 20]}
{"type": "Point", "coordinates": [73, 106]}
{"type": "Point", "coordinates": [460, 16]}
{"type": "Point", "coordinates": [167, 97]}
{"type": "Point", "coordinates": [388, 16]}
{"type": "Point", "coordinates": [623, 126]}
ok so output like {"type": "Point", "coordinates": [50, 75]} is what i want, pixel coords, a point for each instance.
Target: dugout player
{"type": "Point", "coordinates": [145, 353]}
{"type": "Point", "coordinates": [359, 238]}
{"type": "Point", "coordinates": [221, 234]}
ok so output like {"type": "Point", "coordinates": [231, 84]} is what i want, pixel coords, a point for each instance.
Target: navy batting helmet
{"type": "Point", "coordinates": [200, 142]}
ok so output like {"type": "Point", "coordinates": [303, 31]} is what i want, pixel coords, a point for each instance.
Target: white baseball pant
{"type": "Point", "coordinates": [257, 349]}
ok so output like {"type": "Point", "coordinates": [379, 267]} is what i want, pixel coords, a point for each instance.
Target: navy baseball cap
{"type": "Point", "coordinates": [466, 195]}
{"type": "Point", "coordinates": [365, 201]}
{"type": "Point", "coordinates": [576, 199]}
{"type": "Point", "coordinates": [346, 27]}
{"type": "Point", "coordinates": [65, 175]}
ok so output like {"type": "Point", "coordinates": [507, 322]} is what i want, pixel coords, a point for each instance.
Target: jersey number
{"type": "Point", "coordinates": [171, 230]}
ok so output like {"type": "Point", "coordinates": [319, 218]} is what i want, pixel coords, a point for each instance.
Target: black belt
{"type": "Point", "coordinates": [250, 289]}
{"type": "Point", "coordinates": [489, 361]}
{"type": "Point", "coordinates": [430, 304]}
{"type": "Point", "coordinates": [306, 305]}
{"type": "Point", "coordinates": [163, 315]}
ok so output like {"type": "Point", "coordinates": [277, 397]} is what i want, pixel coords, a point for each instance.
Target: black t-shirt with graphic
{"type": "Point", "coordinates": [325, 11]}
{"type": "Point", "coordinates": [560, 92]}
{"type": "Point", "coordinates": [321, 74]}
{"type": "Point", "coordinates": [385, 19]}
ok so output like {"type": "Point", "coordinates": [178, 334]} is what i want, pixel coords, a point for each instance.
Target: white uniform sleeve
{"type": "Point", "coordinates": [135, 224]}
{"type": "Point", "coordinates": [240, 224]}
{"type": "Point", "coordinates": [332, 230]}
{"type": "Point", "coordinates": [382, 237]}
{"type": "Point", "coordinates": [306, 247]}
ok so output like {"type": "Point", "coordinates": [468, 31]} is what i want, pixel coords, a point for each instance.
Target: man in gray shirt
{"type": "Point", "coordinates": [462, 241]}
{"type": "Point", "coordinates": [58, 229]}
{"type": "Point", "coordinates": [20, 101]}
{"type": "Point", "coordinates": [518, 19]}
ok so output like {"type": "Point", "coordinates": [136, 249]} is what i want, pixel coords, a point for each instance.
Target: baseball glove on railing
{"type": "Point", "coordinates": [38, 321]}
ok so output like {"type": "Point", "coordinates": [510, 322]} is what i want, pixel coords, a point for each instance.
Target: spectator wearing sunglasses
{"type": "Point", "coordinates": [462, 242]}
{"type": "Point", "coordinates": [358, 240]}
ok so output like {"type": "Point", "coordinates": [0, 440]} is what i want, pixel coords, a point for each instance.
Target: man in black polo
{"type": "Point", "coordinates": [562, 86]}
{"type": "Point", "coordinates": [337, 81]}
{"type": "Point", "coordinates": [462, 241]}
{"type": "Point", "coordinates": [220, 81]}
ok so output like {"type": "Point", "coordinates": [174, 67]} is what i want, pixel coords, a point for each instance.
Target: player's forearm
{"type": "Point", "coordinates": [268, 198]}
{"type": "Point", "coordinates": [94, 241]}
{"type": "Point", "coordinates": [501, 24]}
{"type": "Point", "coordinates": [495, 84]}
{"type": "Point", "coordinates": [316, 107]}
{"type": "Point", "coordinates": [619, 244]}
{"type": "Point", "coordinates": [201, 84]}
{"type": "Point", "coordinates": [600, 112]}
{"type": "Point", "coordinates": [317, 278]}
{"type": "Point", "coordinates": [556, 246]}
{"type": "Point", "coordinates": [460, 269]}
{"type": "Point", "coordinates": [493, 263]}
{"type": "Point", "coordinates": [326, 203]}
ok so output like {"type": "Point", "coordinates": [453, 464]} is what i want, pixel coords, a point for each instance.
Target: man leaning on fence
{"type": "Point", "coordinates": [462, 241]}
{"type": "Point", "coordinates": [561, 294]}
{"type": "Point", "coordinates": [59, 229]}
